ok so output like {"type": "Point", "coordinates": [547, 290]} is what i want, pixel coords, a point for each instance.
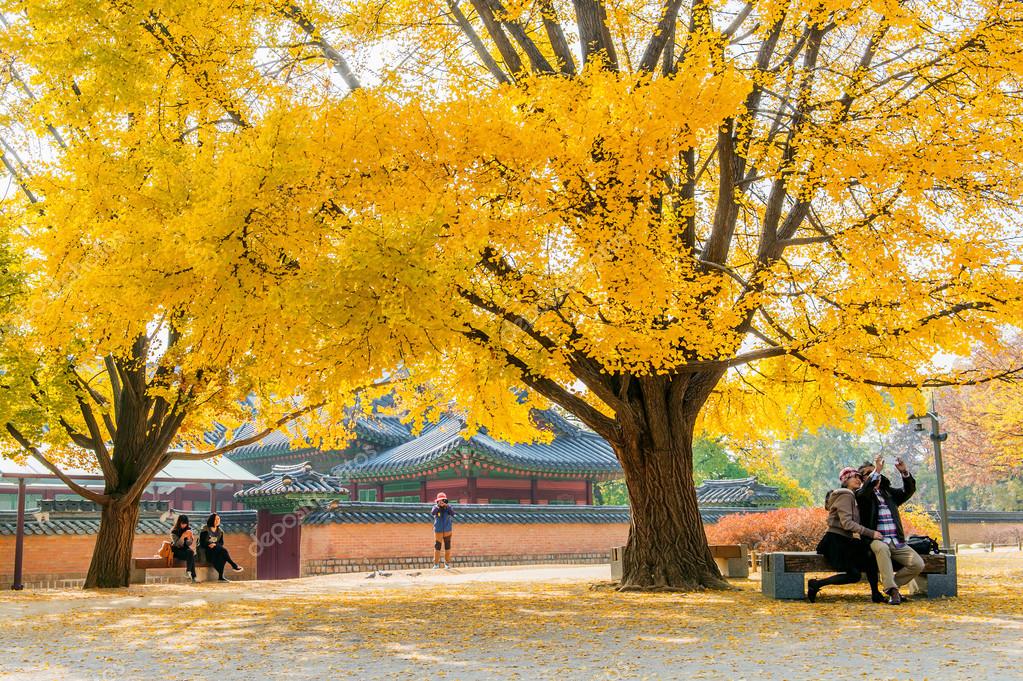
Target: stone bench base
{"type": "Point", "coordinates": [203, 571]}
{"type": "Point", "coordinates": [782, 575]}
{"type": "Point", "coordinates": [732, 560]}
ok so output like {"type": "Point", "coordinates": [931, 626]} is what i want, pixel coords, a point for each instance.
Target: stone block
{"type": "Point", "coordinates": [776, 583]}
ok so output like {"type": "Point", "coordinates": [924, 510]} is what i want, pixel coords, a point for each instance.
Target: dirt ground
{"type": "Point", "coordinates": [512, 623]}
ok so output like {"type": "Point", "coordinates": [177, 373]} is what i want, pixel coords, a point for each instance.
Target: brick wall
{"type": "Point", "coordinates": [62, 561]}
{"type": "Point", "coordinates": [355, 547]}
{"type": "Point", "coordinates": [971, 533]}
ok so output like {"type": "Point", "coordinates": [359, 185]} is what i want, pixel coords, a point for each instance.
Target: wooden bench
{"type": "Point", "coordinates": [203, 571]}
{"type": "Point", "coordinates": [782, 574]}
{"type": "Point", "coordinates": [732, 560]}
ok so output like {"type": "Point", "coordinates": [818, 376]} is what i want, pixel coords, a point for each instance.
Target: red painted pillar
{"type": "Point", "coordinates": [353, 491]}
{"type": "Point", "coordinates": [471, 482]}
{"type": "Point", "coordinates": [423, 497]}
{"type": "Point", "coordinates": [589, 493]}
{"type": "Point", "coordinates": [380, 491]}
{"type": "Point", "coordinates": [213, 497]}
{"type": "Point", "coordinates": [534, 491]}
{"type": "Point", "coordinates": [19, 538]}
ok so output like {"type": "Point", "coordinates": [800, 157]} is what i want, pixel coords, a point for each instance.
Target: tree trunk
{"type": "Point", "coordinates": [111, 559]}
{"type": "Point", "coordinates": [667, 546]}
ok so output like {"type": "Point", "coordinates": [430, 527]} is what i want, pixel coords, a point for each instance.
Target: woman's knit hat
{"type": "Point", "coordinates": [847, 473]}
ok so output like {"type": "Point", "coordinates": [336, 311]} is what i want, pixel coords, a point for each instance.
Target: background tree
{"type": "Point", "coordinates": [814, 459]}
{"type": "Point", "coordinates": [985, 424]}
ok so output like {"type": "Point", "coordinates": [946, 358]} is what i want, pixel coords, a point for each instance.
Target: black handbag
{"type": "Point", "coordinates": [923, 545]}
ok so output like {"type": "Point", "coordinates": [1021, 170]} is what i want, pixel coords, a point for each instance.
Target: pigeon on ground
{"type": "Point", "coordinates": [413, 574]}
{"type": "Point", "coordinates": [371, 575]}
{"type": "Point", "coordinates": [385, 574]}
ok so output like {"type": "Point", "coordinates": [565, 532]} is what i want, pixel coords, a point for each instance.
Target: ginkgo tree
{"type": "Point", "coordinates": [662, 217]}
{"type": "Point", "coordinates": [143, 294]}
{"type": "Point", "coordinates": [669, 216]}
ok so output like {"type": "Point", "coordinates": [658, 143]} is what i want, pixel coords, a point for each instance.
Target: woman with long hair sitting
{"type": "Point", "coordinates": [182, 541]}
{"type": "Point", "coordinates": [212, 549]}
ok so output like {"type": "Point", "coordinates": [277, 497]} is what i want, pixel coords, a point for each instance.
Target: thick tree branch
{"type": "Point", "coordinates": [71, 484]}
{"type": "Point", "coordinates": [591, 18]}
{"type": "Point", "coordinates": [556, 36]}
{"type": "Point", "coordinates": [100, 448]}
{"type": "Point", "coordinates": [115, 386]}
{"type": "Point", "coordinates": [79, 439]}
{"type": "Point", "coordinates": [284, 420]}
{"type": "Point", "coordinates": [537, 60]}
{"type": "Point", "coordinates": [504, 46]}
{"type": "Point", "coordinates": [662, 33]}
{"type": "Point", "coordinates": [477, 43]}
{"type": "Point", "coordinates": [550, 389]}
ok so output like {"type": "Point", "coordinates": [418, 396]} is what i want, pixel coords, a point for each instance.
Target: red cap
{"type": "Point", "coordinates": [441, 495]}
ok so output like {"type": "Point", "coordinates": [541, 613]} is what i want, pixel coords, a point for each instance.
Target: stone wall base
{"type": "Point", "coordinates": [330, 566]}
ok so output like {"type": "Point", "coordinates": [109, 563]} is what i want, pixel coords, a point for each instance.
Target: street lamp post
{"type": "Point", "coordinates": [937, 437]}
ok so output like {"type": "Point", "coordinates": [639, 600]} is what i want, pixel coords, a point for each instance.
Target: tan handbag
{"type": "Point", "coordinates": [165, 552]}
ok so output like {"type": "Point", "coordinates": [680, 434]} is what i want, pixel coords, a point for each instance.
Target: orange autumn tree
{"type": "Point", "coordinates": [984, 423]}
{"type": "Point", "coordinates": [671, 216]}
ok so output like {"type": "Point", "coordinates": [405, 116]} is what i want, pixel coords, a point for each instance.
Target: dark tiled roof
{"type": "Point", "coordinates": [573, 450]}
{"type": "Point", "coordinates": [712, 514]}
{"type": "Point", "coordinates": [387, 512]}
{"type": "Point", "coordinates": [38, 522]}
{"type": "Point", "coordinates": [739, 491]}
{"type": "Point", "coordinates": [298, 479]}
{"type": "Point", "coordinates": [379, 427]}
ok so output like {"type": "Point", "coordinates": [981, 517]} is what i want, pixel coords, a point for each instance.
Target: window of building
{"type": "Point", "coordinates": [367, 495]}
{"type": "Point", "coordinates": [9, 502]}
{"type": "Point", "coordinates": [406, 499]}
{"type": "Point", "coordinates": [561, 502]}
{"type": "Point", "coordinates": [504, 501]}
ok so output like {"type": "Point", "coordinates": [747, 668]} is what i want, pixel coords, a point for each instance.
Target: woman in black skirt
{"type": "Point", "coordinates": [843, 551]}
{"type": "Point", "coordinates": [212, 549]}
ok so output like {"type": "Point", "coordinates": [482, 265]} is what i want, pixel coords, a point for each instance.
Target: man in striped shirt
{"type": "Point", "coordinates": [879, 510]}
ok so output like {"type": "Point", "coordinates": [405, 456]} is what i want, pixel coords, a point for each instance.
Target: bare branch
{"type": "Point", "coordinates": [294, 12]}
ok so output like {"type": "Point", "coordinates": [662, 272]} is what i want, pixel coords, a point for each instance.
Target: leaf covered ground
{"type": "Point", "coordinates": [521, 623]}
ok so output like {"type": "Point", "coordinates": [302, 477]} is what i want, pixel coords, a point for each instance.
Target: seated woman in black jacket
{"type": "Point", "coordinates": [212, 549]}
{"type": "Point", "coordinates": [182, 540]}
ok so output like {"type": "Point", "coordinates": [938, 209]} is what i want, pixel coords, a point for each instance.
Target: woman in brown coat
{"type": "Point", "coordinates": [845, 552]}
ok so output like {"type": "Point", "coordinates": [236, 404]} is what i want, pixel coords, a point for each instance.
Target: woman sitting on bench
{"type": "Point", "coordinates": [212, 550]}
{"type": "Point", "coordinates": [844, 552]}
{"type": "Point", "coordinates": [182, 539]}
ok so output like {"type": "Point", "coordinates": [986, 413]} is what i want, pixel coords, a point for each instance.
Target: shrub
{"type": "Point", "coordinates": [916, 521]}
{"type": "Point", "coordinates": [786, 529]}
